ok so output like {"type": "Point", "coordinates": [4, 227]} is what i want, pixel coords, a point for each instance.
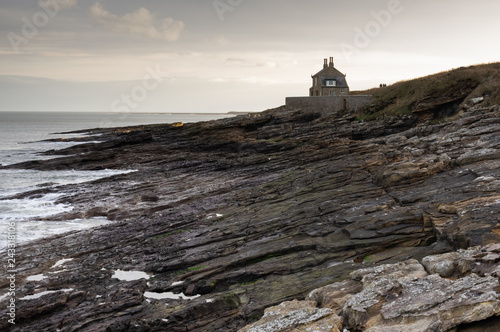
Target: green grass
{"type": "Point", "coordinates": [181, 272]}
{"type": "Point", "coordinates": [196, 268]}
{"type": "Point", "coordinates": [250, 282]}
{"type": "Point", "coordinates": [362, 117]}
{"type": "Point", "coordinates": [368, 259]}
{"type": "Point", "coordinates": [261, 259]}
{"type": "Point", "coordinates": [403, 98]}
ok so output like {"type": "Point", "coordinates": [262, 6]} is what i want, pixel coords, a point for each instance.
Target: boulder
{"type": "Point", "coordinates": [334, 296]}
{"type": "Point", "coordinates": [299, 316]}
{"type": "Point", "coordinates": [446, 265]}
{"type": "Point", "coordinates": [438, 304]}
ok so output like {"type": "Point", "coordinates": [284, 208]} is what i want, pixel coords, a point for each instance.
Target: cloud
{"type": "Point", "coordinates": [59, 4]}
{"type": "Point", "coordinates": [7, 52]}
{"type": "Point", "coordinates": [248, 80]}
{"type": "Point", "coordinates": [238, 61]}
{"type": "Point", "coordinates": [141, 23]}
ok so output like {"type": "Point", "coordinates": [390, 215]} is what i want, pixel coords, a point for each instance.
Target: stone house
{"type": "Point", "coordinates": [329, 93]}
{"type": "Point", "coordinates": [329, 82]}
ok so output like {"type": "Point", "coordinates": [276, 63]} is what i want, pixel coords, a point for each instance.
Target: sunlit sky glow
{"type": "Point", "coordinates": [225, 55]}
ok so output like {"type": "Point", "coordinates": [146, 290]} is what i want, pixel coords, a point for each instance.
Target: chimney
{"type": "Point", "coordinates": [331, 61]}
{"type": "Point", "coordinates": [325, 65]}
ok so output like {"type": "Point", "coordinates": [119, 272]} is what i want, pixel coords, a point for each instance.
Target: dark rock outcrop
{"type": "Point", "coordinates": [244, 213]}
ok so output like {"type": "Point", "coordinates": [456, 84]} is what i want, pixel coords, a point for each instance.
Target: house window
{"type": "Point", "coordinates": [331, 93]}
{"type": "Point", "coordinates": [342, 90]}
{"type": "Point", "coordinates": [331, 83]}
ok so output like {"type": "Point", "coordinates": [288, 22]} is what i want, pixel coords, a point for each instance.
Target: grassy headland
{"type": "Point", "coordinates": [440, 94]}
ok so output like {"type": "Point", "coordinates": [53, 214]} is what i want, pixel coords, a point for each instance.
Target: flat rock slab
{"type": "Point", "coordinates": [296, 316]}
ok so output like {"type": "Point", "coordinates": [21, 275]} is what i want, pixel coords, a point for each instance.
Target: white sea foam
{"type": "Point", "coordinates": [39, 295]}
{"type": "Point", "coordinates": [38, 277]}
{"type": "Point", "coordinates": [169, 295]}
{"type": "Point", "coordinates": [32, 230]}
{"type": "Point", "coordinates": [21, 139]}
{"type": "Point", "coordinates": [25, 215]}
{"type": "Point", "coordinates": [61, 262]}
{"type": "Point", "coordinates": [20, 209]}
{"type": "Point", "coordinates": [26, 212]}
{"type": "Point", "coordinates": [130, 275]}
{"type": "Point", "coordinates": [14, 181]}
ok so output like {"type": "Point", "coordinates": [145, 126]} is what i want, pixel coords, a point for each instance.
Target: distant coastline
{"type": "Point", "coordinates": [135, 113]}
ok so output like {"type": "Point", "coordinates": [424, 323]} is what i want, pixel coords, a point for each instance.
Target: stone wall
{"type": "Point", "coordinates": [328, 91]}
{"type": "Point", "coordinates": [330, 103]}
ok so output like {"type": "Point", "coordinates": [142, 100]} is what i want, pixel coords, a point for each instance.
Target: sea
{"type": "Point", "coordinates": [22, 136]}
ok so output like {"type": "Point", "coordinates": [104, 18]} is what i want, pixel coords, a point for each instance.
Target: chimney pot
{"type": "Point", "coordinates": [325, 64]}
{"type": "Point", "coordinates": [331, 61]}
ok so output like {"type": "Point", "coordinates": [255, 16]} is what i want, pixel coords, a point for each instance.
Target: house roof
{"type": "Point", "coordinates": [331, 73]}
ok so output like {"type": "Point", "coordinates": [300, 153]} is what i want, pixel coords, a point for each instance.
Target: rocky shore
{"type": "Point", "coordinates": [286, 220]}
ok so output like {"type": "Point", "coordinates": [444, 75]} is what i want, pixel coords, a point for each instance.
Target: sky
{"type": "Point", "coordinates": [225, 55]}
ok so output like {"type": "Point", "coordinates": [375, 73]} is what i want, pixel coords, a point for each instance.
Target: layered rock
{"type": "Point", "coordinates": [242, 214]}
{"type": "Point", "coordinates": [397, 297]}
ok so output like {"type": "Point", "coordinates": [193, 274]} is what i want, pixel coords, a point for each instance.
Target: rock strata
{"type": "Point", "coordinates": [223, 219]}
{"type": "Point", "coordinates": [396, 297]}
